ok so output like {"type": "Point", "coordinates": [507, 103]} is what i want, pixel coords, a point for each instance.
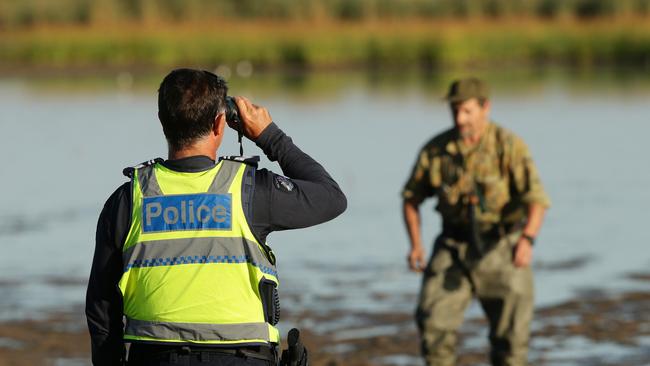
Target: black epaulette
{"type": "Point", "coordinates": [128, 171]}
{"type": "Point", "coordinates": [248, 160]}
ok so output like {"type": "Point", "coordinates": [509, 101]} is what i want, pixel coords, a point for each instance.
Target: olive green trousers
{"type": "Point", "coordinates": [452, 278]}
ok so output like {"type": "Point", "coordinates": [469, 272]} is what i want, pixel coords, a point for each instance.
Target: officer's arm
{"type": "Point", "coordinates": [310, 196]}
{"type": "Point", "coordinates": [103, 299]}
{"type": "Point", "coordinates": [306, 196]}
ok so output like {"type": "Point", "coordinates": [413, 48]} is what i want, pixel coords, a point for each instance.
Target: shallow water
{"type": "Point", "coordinates": [65, 147]}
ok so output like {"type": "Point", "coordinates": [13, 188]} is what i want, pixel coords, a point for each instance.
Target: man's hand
{"type": "Point", "coordinates": [416, 259]}
{"type": "Point", "coordinates": [254, 118]}
{"type": "Point", "coordinates": [523, 253]}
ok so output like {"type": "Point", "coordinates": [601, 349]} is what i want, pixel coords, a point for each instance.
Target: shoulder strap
{"type": "Point", "coordinates": [128, 171]}
{"type": "Point", "coordinates": [248, 160]}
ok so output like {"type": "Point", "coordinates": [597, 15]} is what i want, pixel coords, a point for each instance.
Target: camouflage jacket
{"type": "Point", "coordinates": [498, 170]}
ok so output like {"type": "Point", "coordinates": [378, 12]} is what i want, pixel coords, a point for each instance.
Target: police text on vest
{"type": "Point", "coordinates": [203, 211]}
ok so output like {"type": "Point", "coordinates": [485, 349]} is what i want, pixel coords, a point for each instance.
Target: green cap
{"type": "Point", "coordinates": [466, 89]}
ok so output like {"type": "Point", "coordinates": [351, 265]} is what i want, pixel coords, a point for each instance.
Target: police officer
{"type": "Point", "coordinates": [492, 204]}
{"type": "Point", "coordinates": [181, 254]}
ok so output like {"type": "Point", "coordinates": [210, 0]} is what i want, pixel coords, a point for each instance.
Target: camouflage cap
{"type": "Point", "coordinates": [466, 89]}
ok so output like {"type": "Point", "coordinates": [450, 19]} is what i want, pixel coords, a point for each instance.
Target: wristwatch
{"type": "Point", "coordinates": [531, 239]}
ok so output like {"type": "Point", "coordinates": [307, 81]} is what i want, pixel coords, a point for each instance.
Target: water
{"type": "Point", "coordinates": [64, 149]}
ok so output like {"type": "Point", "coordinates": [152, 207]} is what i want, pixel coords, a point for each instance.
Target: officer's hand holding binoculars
{"type": "Point", "coordinates": [254, 118]}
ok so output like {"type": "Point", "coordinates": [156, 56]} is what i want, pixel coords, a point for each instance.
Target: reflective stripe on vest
{"type": "Point", "coordinates": [192, 266]}
{"type": "Point", "coordinates": [201, 333]}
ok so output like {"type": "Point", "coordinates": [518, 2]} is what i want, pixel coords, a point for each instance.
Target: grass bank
{"type": "Point", "coordinates": [429, 45]}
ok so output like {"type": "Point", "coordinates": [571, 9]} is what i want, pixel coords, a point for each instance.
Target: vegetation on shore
{"type": "Point", "coordinates": [309, 34]}
{"type": "Point", "coordinates": [26, 13]}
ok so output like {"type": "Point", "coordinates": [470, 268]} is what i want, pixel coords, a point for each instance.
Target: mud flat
{"type": "Point", "coordinates": [594, 328]}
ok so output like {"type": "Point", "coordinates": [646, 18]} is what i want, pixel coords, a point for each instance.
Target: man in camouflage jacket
{"type": "Point", "coordinates": [492, 205]}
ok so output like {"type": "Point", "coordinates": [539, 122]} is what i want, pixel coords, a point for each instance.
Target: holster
{"type": "Point", "coordinates": [296, 353]}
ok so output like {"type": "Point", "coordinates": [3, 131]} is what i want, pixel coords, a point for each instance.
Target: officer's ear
{"type": "Point", "coordinates": [219, 124]}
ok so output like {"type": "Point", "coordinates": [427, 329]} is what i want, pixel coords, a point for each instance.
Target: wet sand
{"type": "Point", "coordinates": [43, 342]}
{"type": "Point", "coordinates": [595, 328]}
{"type": "Point", "coordinates": [569, 333]}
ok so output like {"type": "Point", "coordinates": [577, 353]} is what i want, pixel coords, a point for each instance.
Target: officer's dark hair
{"type": "Point", "coordinates": [188, 102]}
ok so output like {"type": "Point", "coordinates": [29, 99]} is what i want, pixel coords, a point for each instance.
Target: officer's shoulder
{"type": "Point", "coordinates": [120, 197]}
{"type": "Point", "coordinates": [439, 142]}
{"type": "Point", "coordinates": [251, 161]}
{"type": "Point", "coordinates": [129, 170]}
{"type": "Point", "coordinates": [268, 178]}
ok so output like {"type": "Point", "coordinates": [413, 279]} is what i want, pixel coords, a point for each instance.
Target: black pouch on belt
{"type": "Point", "coordinates": [270, 301]}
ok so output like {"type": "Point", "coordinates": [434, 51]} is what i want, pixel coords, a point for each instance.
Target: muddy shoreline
{"type": "Point", "coordinates": [594, 328]}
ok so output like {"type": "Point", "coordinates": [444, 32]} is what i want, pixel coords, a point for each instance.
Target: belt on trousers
{"type": "Point", "coordinates": [261, 352]}
{"type": "Point", "coordinates": [490, 232]}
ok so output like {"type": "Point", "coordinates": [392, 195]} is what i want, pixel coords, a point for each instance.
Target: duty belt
{"type": "Point", "coordinates": [154, 350]}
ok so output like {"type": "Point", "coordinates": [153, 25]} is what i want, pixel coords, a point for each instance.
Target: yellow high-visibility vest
{"type": "Point", "coordinates": [194, 272]}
